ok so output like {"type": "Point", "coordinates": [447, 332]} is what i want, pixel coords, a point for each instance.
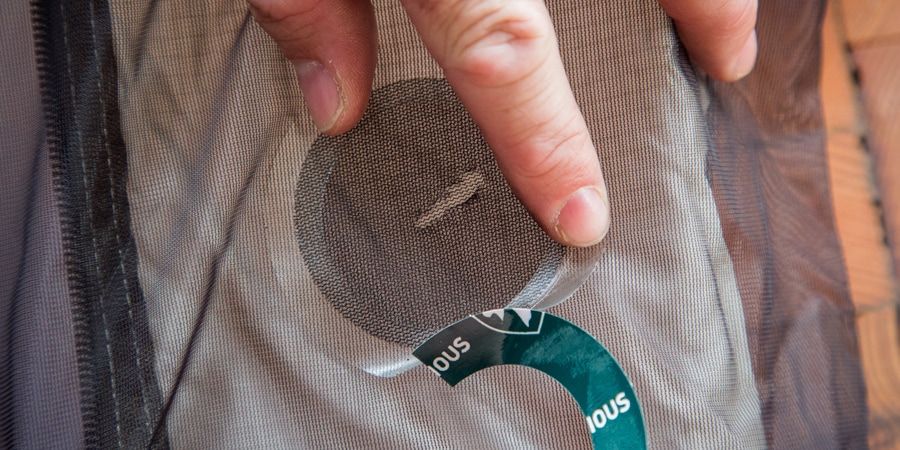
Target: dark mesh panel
{"type": "Point", "coordinates": [769, 175]}
{"type": "Point", "coordinates": [118, 391]}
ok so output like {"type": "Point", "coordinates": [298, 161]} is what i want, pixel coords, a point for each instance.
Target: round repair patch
{"type": "Point", "coordinates": [406, 222]}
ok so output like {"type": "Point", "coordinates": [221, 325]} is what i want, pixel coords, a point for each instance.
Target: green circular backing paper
{"type": "Point", "coordinates": [553, 346]}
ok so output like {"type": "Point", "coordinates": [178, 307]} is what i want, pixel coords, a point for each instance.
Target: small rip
{"type": "Point", "coordinates": [458, 194]}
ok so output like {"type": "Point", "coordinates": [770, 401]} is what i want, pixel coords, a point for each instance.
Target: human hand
{"type": "Point", "coordinates": [502, 59]}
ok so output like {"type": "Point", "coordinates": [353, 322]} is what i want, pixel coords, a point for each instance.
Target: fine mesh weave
{"type": "Point", "coordinates": [363, 236]}
{"type": "Point", "coordinates": [39, 391]}
{"type": "Point", "coordinates": [663, 298]}
{"type": "Point", "coordinates": [769, 174]}
{"type": "Point", "coordinates": [719, 288]}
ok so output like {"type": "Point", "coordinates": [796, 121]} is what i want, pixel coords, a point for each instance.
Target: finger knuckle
{"type": "Point", "coordinates": [274, 11]}
{"type": "Point", "coordinates": [493, 42]}
{"type": "Point", "coordinates": [735, 17]}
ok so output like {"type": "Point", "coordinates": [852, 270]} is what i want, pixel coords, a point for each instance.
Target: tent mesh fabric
{"type": "Point", "coordinates": [230, 278]}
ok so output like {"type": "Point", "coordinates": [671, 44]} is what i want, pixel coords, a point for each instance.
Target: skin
{"type": "Point", "coordinates": [502, 59]}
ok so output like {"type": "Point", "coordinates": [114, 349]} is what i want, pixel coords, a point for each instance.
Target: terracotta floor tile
{"type": "Point", "coordinates": [839, 98]}
{"type": "Point", "coordinates": [858, 195]}
{"type": "Point", "coordinates": [879, 72]}
{"type": "Point", "coordinates": [868, 21]}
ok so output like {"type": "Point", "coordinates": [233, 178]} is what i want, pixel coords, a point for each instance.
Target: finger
{"type": "Point", "coordinates": [332, 47]}
{"type": "Point", "coordinates": [718, 34]}
{"type": "Point", "coordinates": [501, 58]}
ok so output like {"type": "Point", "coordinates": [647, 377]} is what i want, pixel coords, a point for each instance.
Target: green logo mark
{"type": "Point", "coordinates": [553, 346]}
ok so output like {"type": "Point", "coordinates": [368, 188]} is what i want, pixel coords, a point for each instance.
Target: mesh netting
{"type": "Point", "coordinates": [231, 270]}
{"type": "Point", "coordinates": [416, 216]}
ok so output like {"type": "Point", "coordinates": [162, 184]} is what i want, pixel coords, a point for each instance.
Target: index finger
{"type": "Point", "coordinates": [502, 59]}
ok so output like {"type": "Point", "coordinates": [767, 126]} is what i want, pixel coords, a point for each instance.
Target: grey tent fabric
{"type": "Point", "coordinates": [245, 166]}
{"type": "Point", "coordinates": [39, 391]}
{"type": "Point", "coordinates": [210, 305]}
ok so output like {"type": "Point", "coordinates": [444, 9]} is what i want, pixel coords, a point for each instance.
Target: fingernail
{"type": "Point", "coordinates": [584, 220]}
{"type": "Point", "coordinates": [320, 92]}
{"type": "Point", "coordinates": [746, 58]}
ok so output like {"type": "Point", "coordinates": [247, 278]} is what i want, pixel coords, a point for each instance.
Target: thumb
{"type": "Point", "coordinates": [719, 34]}
{"type": "Point", "coordinates": [332, 47]}
{"type": "Point", "coordinates": [502, 59]}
